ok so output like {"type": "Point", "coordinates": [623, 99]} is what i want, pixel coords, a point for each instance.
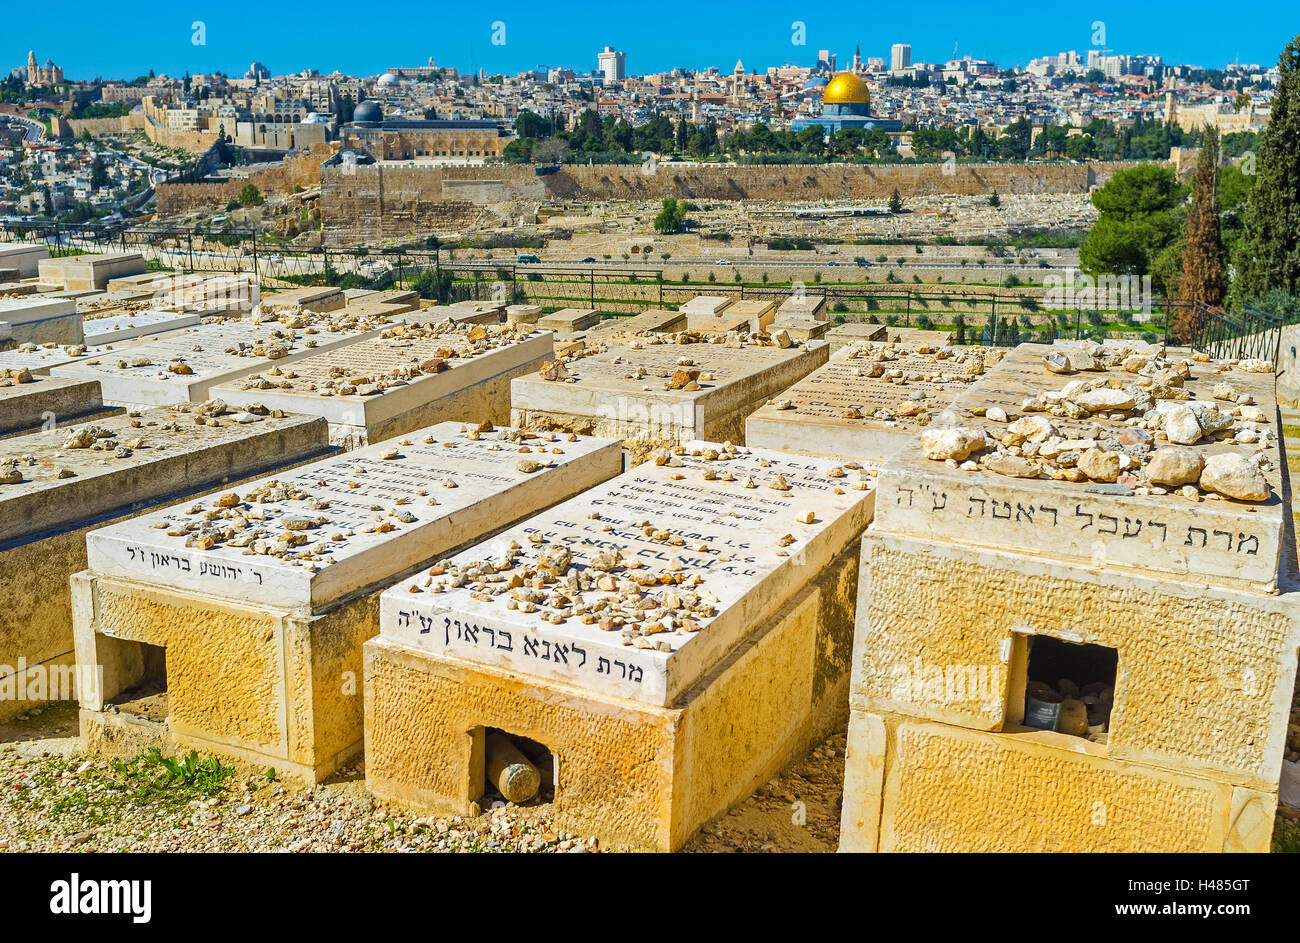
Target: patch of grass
{"type": "Point", "coordinates": [1286, 836]}
{"type": "Point", "coordinates": [150, 775]}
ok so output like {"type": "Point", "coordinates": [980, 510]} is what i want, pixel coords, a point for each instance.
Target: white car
{"type": "Point", "coordinates": [722, 262]}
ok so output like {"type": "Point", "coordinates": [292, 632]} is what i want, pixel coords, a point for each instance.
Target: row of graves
{"type": "Point", "coordinates": [636, 570]}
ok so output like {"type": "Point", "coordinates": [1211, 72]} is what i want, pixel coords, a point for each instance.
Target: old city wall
{"type": "Point", "coordinates": [299, 170]}
{"type": "Point", "coordinates": [392, 201]}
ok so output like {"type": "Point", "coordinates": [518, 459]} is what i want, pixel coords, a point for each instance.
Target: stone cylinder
{"type": "Point", "coordinates": [509, 770]}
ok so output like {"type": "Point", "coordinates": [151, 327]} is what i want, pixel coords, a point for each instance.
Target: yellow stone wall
{"type": "Point", "coordinates": [950, 789]}
{"type": "Point", "coordinates": [633, 775]}
{"type": "Point", "coordinates": [1202, 700]}
{"type": "Point", "coordinates": [255, 683]}
{"type": "Point", "coordinates": [1205, 674]}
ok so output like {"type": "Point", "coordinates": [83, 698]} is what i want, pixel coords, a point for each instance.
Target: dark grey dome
{"type": "Point", "coordinates": [367, 111]}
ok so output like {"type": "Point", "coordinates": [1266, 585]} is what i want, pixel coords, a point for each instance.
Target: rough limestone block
{"type": "Point", "coordinates": [262, 626]}
{"type": "Point", "coordinates": [653, 734]}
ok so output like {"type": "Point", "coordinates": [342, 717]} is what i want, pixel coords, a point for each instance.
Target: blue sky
{"type": "Point", "coordinates": [125, 40]}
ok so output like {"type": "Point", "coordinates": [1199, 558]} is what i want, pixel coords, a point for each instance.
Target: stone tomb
{"type": "Point", "coordinates": [115, 328]}
{"type": "Point", "coordinates": [523, 314]}
{"type": "Point", "coordinates": [186, 365]}
{"type": "Point", "coordinates": [857, 332]}
{"type": "Point", "coordinates": [569, 321]}
{"type": "Point", "coordinates": [90, 272]}
{"type": "Point", "coordinates": [43, 400]}
{"type": "Point", "coordinates": [262, 625]}
{"type": "Point", "coordinates": [410, 377]}
{"type": "Point", "coordinates": [866, 402]}
{"type": "Point", "coordinates": [24, 258]}
{"type": "Point", "coordinates": [319, 300]}
{"type": "Point", "coordinates": [672, 637]}
{"type": "Point", "coordinates": [661, 391]}
{"type": "Point", "coordinates": [802, 329]}
{"type": "Point", "coordinates": [38, 320]}
{"type": "Point", "coordinates": [802, 305]}
{"type": "Point", "coordinates": [650, 321]}
{"type": "Point", "coordinates": [79, 478]}
{"type": "Point", "coordinates": [759, 312]}
{"type": "Point", "coordinates": [705, 305]}
{"type": "Point", "coordinates": [1058, 646]}
{"type": "Point", "coordinates": [39, 360]}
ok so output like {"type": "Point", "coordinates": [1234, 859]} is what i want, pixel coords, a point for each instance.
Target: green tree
{"type": "Point", "coordinates": [672, 216]}
{"type": "Point", "coordinates": [895, 201]}
{"type": "Point", "coordinates": [250, 196]}
{"type": "Point", "coordinates": [1140, 214]}
{"type": "Point", "coordinates": [1268, 253]}
{"type": "Point", "coordinates": [994, 199]}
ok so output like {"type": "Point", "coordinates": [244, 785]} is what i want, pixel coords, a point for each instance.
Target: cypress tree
{"type": "Point", "coordinates": [1268, 255]}
{"type": "Point", "coordinates": [1202, 277]}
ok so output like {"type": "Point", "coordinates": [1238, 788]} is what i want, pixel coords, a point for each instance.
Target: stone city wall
{"type": "Point", "coordinates": [379, 201]}
{"type": "Point", "coordinates": [300, 170]}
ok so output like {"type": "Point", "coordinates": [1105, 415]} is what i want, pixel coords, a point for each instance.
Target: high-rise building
{"type": "Point", "coordinates": [612, 65]}
{"type": "Point", "coordinates": [900, 57]}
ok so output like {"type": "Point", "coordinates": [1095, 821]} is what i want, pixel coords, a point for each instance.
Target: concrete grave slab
{"type": "Point", "coordinates": [45, 399]}
{"type": "Point", "coordinates": [568, 321]}
{"type": "Point", "coordinates": [184, 366]}
{"type": "Point", "coordinates": [91, 271]}
{"type": "Point", "coordinates": [39, 320]}
{"type": "Point", "coordinates": [120, 327]}
{"type": "Point", "coordinates": [24, 258]}
{"type": "Point", "coordinates": [651, 321]}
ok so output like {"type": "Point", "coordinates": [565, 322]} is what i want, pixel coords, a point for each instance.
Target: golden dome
{"type": "Point", "coordinates": [846, 89]}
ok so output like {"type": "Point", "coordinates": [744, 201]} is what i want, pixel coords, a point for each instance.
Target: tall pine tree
{"type": "Point", "coordinates": [1268, 254]}
{"type": "Point", "coordinates": [1202, 278]}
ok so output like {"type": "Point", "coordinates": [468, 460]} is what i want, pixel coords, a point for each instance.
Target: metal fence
{"type": "Point", "coordinates": [1250, 333]}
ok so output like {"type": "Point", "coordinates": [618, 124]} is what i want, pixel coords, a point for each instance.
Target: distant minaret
{"type": "Point", "coordinates": [31, 67]}
{"type": "Point", "coordinates": [857, 59]}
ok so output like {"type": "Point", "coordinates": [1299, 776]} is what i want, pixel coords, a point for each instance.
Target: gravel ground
{"type": "Point", "coordinates": [53, 798]}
